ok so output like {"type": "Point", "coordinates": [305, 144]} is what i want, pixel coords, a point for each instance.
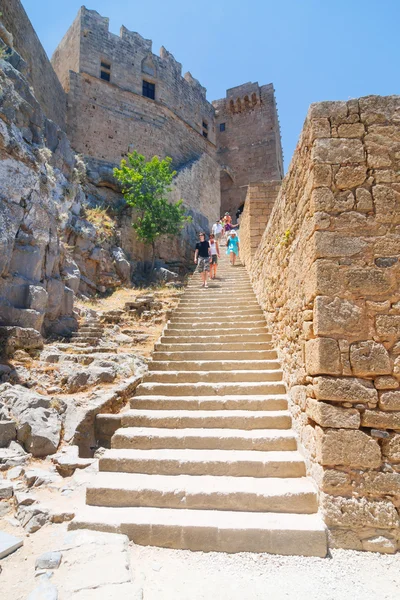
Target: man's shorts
{"type": "Point", "coordinates": [218, 236]}
{"type": "Point", "coordinates": [214, 260]}
{"type": "Point", "coordinates": [203, 264]}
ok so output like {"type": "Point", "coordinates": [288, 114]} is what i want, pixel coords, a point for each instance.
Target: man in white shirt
{"type": "Point", "coordinates": [217, 229]}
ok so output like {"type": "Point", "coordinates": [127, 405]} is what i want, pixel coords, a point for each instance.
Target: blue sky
{"type": "Point", "coordinates": [311, 50]}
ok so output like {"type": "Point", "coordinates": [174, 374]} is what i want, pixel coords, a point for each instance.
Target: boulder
{"type": "Point", "coordinates": [8, 433]}
{"type": "Point", "coordinates": [16, 338]}
{"type": "Point", "coordinates": [122, 264]}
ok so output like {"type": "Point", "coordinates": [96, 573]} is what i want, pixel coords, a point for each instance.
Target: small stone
{"type": "Point", "coordinates": [48, 560]}
{"type": "Point", "coordinates": [24, 499]}
{"type": "Point", "coordinates": [15, 472]}
{"type": "Point", "coordinates": [379, 434]}
{"type": "Point", "coordinates": [8, 544]}
{"type": "Point", "coordinates": [380, 544]}
{"type": "Point", "coordinates": [6, 490]}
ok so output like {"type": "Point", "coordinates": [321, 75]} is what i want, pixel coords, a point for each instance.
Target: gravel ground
{"type": "Point", "coordinates": [184, 575]}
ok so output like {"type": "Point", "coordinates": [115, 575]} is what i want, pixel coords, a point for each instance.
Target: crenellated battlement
{"type": "Point", "coordinates": [127, 61]}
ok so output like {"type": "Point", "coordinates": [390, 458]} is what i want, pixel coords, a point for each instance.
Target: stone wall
{"type": "Point", "coordinates": [248, 140]}
{"type": "Point", "coordinates": [327, 274]}
{"type": "Point", "coordinates": [40, 73]}
{"type": "Point", "coordinates": [260, 200]}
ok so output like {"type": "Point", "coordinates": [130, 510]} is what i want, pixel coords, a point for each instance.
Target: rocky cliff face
{"type": "Point", "coordinates": [43, 234]}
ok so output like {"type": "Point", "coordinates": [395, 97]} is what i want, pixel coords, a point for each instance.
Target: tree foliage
{"type": "Point", "coordinates": [145, 186]}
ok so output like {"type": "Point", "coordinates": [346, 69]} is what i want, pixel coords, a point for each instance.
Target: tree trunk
{"type": "Point", "coordinates": [153, 259]}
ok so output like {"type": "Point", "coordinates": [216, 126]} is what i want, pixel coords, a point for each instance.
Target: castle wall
{"type": "Point", "coordinates": [327, 274]}
{"type": "Point", "coordinates": [249, 147]}
{"type": "Point", "coordinates": [41, 75]}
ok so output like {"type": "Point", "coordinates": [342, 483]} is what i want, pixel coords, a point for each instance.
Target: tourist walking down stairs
{"type": "Point", "coordinates": [214, 247]}
{"type": "Point", "coordinates": [202, 257]}
{"type": "Point", "coordinates": [232, 248]}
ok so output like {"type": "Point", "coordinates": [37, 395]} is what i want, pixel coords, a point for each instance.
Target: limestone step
{"type": "Point", "coordinates": [230, 302]}
{"type": "Point", "coordinates": [217, 356]}
{"type": "Point", "coordinates": [206, 331]}
{"type": "Point", "coordinates": [213, 365]}
{"type": "Point", "coordinates": [274, 494]}
{"type": "Point", "coordinates": [244, 402]}
{"type": "Point", "coordinates": [235, 463]}
{"type": "Point", "coordinates": [209, 530]}
{"type": "Point", "coordinates": [167, 346]}
{"type": "Point", "coordinates": [182, 377]}
{"type": "Point", "coordinates": [217, 296]}
{"type": "Point", "coordinates": [223, 439]}
{"type": "Point", "coordinates": [210, 389]}
{"type": "Point", "coordinates": [214, 419]}
{"type": "Point", "coordinates": [223, 338]}
{"type": "Point", "coordinates": [177, 322]}
{"type": "Point", "coordinates": [220, 312]}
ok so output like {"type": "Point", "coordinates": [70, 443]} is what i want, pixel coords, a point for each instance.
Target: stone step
{"type": "Point", "coordinates": [206, 332]}
{"type": "Point", "coordinates": [275, 494]}
{"type": "Point", "coordinates": [177, 322]}
{"type": "Point", "coordinates": [214, 365]}
{"type": "Point", "coordinates": [230, 303]}
{"type": "Point", "coordinates": [218, 356]}
{"type": "Point", "coordinates": [223, 439]}
{"type": "Point", "coordinates": [167, 346]}
{"type": "Point", "coordinates": [182, 377]}
{"type": "Point", "coordinates": [223, 338]}
{"type": "Point", "coordinates": [210, 389]}
{"type": "Point", "coordinates": [220, 312]}
{"type": "Point", "coordinates": [209, 530]}
{"type": "Point", "coordinates": [235, 463]}
{"type": "Point", "coordinates": [215, 419]}
{"type": "Point", "coordinates": [244, 402]}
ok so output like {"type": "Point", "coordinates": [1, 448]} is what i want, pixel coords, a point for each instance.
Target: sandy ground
{"type": "Point", "coordinates": [183, 575]}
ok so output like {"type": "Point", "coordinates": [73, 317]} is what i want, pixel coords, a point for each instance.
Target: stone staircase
{"type": "Point", "coordinates": [206, 458]}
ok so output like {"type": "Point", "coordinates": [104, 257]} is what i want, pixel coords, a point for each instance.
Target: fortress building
{"type": "Point", "coordinates": [121, 97]}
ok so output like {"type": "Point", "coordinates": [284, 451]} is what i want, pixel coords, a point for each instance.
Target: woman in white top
{"type": "Point", "coordinates": [214, 247]}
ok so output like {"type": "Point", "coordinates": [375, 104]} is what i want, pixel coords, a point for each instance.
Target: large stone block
{"type": "Point", "coordinates": [323, 200]}
{"type": "Point", "coordinates": [389, 400]}
{"type": "Point", "coordinates": [369, 358]}
{"type": "Point", "coordinates": [345, 389]}
{"type": "Point", "coordinates": [380, 419]}
{"type": "Point", "coordinates": [327, 415]}
{"type": "Point", "coordinates": [344, 447]}
{"type": "Point", "coordinates": [329, 244]}
{"type": "Point", "coordinates": [323, 357]}
{"type": "Point", "coordinates": [387, 204]}
{"type": "Point", "coordinates": [375, 483]}
{"type": "Point", "coordinates": [388, 325]}
{"type": "Point", "coordinates": [391, 449]}
{"type": "Point", "coordinates": [338, 151]}
{"type": "Point", "coordinates": [350, 177]}
{"type": "Point", "coordinates": [370, 282]}
{"type": "Point", "coordinates": [358, 512]}
{"type": "Point", "coordinates": [336, 482]}
{"type": "Point", "coordinates": [337, 316]}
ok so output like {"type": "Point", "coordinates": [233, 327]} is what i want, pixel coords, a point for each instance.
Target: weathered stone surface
{"type": "Point", "coordinates": [6, 490]}
{"type": "Point", "coordinates": [351, 130]}
{"type": "Point", "coordinates": [369, 358]}
{"type": "Point", "coordinates": [380, 419]}
{"type": "Point", "coordinates": [337, 316]}
{"type": "Point", "coordinates": [389, 400]}
{"type": "Point", "coordinates": [391, 448]}
{"type": "Point", "coordinates": [388, 325]}
{"type": "Point", "coordinates": [387, 204]}
{"type": "Point", "coordinates": [327, 415]}
{"type": "Point", "coordinates": [48, 560]}
{"type": "Point", "coordinates": [8, 433]}
{"type": "Point", "coordinates": [364, 201]}
{"type": "Point", "coordinates": [16, 338]}
{"type": "Point", "coordinates": [345, 389]}
{"type": "Point", "coordinates": [336, 482]}
{"type": "Point", "coordinates": [338, 151]}
{"type": "Point", "coordinates": [44, 591]}
{"type": "Point", "coordinates": [329, 244]}
{"type": "Point", "coordinates": [350, 177]}
{"type": "Point", "coordinates": [380, 543]}
{"type": "Point", "coordinates": [358, 512]}
{"type": "Point", "coordinates": [386, 382]}
{"type": "Point", "coordinates": [377, 484]}
{"type": "Point", "coordinates": [8, 544]}
{"type": "Point", "coordinates": [323, 357]}
{"type": "Point", "coordinates": [344, 447]}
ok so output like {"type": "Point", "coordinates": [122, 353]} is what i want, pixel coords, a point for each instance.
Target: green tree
{"type": "Point", "coordinates": [145, 186]}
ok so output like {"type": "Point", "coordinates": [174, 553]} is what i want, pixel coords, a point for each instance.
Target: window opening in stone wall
{"type": "Point", "coordinates": [205, 129]}
{"type": "Point", "coordinates": [105, 70]}
{"type": "Point", "coordinates": [222, 126]}
{"type": "Point", "coordinates": [149, 90]}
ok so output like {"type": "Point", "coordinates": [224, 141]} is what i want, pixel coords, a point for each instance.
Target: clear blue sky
{"type": "Point", "coordinates": [311, 50]}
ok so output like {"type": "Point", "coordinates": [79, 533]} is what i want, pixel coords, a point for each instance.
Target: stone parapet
{"type": "Point", "coordinates": [327, 274]}
{"type": "Point", "coordinates": [260, 200]}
